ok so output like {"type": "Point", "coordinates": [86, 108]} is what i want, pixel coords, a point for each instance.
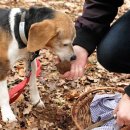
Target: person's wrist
{"type": "Point", "coordinates": [83, 50]}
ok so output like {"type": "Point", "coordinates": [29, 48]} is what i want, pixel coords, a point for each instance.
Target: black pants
{"type": "Point", "coordinates": [114, 51]}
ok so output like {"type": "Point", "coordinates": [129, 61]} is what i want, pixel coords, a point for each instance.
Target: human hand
{"type": "Point", "coordinates": [122, 111]}
{"type": "Point", "coordinates": [78, 65]}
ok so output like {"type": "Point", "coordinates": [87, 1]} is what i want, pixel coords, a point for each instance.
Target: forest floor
{"type": "Point", "coordinates": [58, 94]}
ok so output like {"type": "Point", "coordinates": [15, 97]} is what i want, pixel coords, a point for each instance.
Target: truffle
{"type": "Point", "coordinates": [63, 67]}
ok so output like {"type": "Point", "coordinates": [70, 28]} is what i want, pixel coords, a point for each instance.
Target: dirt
{"type": "Point", "coordinates": [58, 94]}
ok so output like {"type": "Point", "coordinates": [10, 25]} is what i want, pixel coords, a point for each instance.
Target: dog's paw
{"type": "Point", "coordinates": [39, 103]}
{"type": "Point", "coordinates": [8, 116]}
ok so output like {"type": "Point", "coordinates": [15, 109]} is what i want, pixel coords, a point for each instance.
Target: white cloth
{"type": "Point", "coordinates": [102, 107]}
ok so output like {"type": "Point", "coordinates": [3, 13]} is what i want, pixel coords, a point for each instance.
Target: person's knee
{"type": "Point", "coordinates": [107, 60]}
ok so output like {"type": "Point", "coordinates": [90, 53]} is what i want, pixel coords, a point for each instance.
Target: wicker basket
{"type": "Point", "coordinates": [80, 110]}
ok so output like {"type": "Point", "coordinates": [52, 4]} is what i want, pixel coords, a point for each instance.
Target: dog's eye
{"type": "Point", "coordinates": [65, 44]}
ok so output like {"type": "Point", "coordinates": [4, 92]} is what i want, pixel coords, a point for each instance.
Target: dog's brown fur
{"type": "Point", "coordinates": [46, 32]}
{"type": "Point", "coordinates": [4, 62]}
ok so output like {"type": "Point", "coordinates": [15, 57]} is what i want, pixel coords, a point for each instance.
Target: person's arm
{"type": "Point", "coordinates": [90, 29]}
{"type": "Point", "coordinates": [95, 22]}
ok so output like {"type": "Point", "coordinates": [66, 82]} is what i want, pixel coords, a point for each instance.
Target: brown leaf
{"type": "Point", "coordinates": [72, 94]}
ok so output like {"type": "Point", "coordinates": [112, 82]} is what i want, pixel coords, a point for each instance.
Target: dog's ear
{"type": "Point", "coordinates": [40, 34]}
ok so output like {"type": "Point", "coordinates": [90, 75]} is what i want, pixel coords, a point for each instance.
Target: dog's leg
{"type": "Point", "coordinates": [35, 97]}
{"type": "Point", "coordinates": [7, 113]}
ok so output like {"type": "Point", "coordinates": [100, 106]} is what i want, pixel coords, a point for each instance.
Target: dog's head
{"type": "Point", "coordinates": [56, 33]}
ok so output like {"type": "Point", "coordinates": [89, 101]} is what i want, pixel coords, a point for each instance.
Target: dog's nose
{"type": "Point", "coordinates": [73, 58]}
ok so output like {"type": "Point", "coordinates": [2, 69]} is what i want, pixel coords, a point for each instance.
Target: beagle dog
{"type": "Point", "coordinates": [25, 31]}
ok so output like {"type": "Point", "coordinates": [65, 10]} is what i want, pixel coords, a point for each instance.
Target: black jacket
{"type": "Point", "coordinates": [95, 22]}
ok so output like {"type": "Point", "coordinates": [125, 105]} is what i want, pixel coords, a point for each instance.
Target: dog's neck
{"type": "Point", "coordinates": [22, 28]}
{"type": "Point", "coordinates": [19, 29]}
{"type": "Point", "coordinates": [31, 16]}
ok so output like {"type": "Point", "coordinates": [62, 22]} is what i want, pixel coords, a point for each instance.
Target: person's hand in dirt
{"type": "Point", "coordinates": [78, 65]}
{"type": "Point", "coordinates": [122, 111]}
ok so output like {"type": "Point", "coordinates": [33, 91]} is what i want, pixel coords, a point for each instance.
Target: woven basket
{"type": "Point", "coordinates": [80, 110]}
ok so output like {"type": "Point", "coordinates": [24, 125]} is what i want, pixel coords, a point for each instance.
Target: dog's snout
{"type": "Point", "coordinates": [73, 58]}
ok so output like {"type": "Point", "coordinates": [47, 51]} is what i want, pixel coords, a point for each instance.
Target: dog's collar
{"type": "Point", "coordinates": [22, 28]}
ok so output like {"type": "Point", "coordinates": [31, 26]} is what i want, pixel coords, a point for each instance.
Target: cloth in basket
{"type": "Point", "coordinates": [102, 107]}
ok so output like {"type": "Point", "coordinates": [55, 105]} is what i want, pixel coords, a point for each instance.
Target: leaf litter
{"type": "Point", "coordinates": [58, 94]}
